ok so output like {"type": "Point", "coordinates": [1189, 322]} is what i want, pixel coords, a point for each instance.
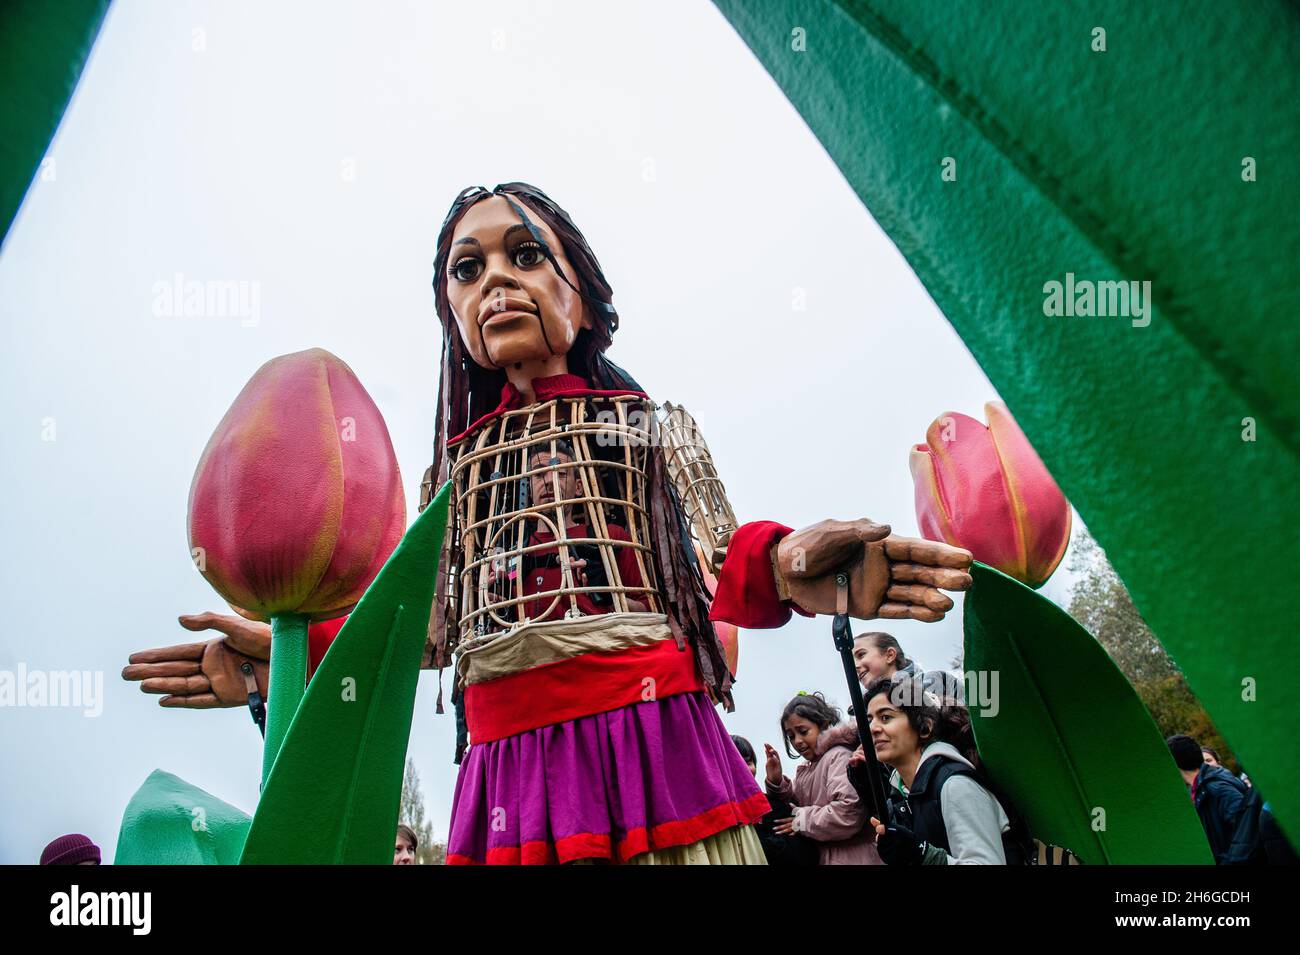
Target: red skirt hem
{"type": "Point", "coordinates": [590, 845]}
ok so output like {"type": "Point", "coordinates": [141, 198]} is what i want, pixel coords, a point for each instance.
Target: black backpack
{"type": "Point", "coordinates": [1017, 844]}
{"type": "Point", "coordinates": [1247, 848]}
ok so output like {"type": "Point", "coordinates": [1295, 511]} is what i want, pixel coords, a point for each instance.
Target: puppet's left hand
{"type": "Point", "coordinates": [889, 576]}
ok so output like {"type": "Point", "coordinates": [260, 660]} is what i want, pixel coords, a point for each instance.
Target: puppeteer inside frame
{"type": "Point", "coordinates": [551, 516]}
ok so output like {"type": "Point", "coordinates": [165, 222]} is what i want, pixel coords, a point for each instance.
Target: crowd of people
{"type": "Point", "coordinates": [940, 806]}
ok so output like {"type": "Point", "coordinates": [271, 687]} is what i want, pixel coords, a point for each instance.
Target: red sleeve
{"type": "Point", "coordinates": [319, 638]}
{"type": "Point", "coordinates": [746, 593]}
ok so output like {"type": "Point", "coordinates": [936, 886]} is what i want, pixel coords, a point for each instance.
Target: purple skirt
{"type": "Point", "coordinates": [609, 786]}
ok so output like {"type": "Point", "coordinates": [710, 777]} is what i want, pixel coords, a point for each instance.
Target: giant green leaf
{"type": "Point", "coordinates": [43, 47]}
{"type": "Point", "coordinates": [334, 790]}
{"type": "Point", "coordinates": [1169, 156]}
{"type": "Point", "coordinates": [171, 822]}
{"type": "Point", "coordinates": [1064, 735]}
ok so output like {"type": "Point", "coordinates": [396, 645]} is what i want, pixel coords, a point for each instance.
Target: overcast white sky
{"type": "Point", "coordinates": [313, 149]}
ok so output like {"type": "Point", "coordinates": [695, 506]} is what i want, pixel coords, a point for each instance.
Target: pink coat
{"type": "Point", "coordinates": [827, 808]}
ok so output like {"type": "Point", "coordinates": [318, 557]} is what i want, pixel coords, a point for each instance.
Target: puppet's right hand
{"type": "Point", "coordinates": [210, 674]}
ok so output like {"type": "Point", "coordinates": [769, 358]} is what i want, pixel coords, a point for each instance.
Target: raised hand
{"type": "Point", "coordinates": [773, 767]}
{"type": "Point", "coordinates": [208, 674]}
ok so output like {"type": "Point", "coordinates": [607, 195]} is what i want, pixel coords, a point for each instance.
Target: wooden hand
{"type": "Point", "coordinates": [208, 674]}
{"type": "Point", "coordinates": [889, 576]}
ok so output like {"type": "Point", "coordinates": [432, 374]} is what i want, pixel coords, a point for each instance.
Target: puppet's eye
{"type": "Point", "coordinates": [466, 270]}
{"type": "Point", "coordinates": [528, 254]}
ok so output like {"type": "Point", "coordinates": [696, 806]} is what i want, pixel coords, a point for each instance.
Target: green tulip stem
{"type": "Point", "coordinates": [287, 682]}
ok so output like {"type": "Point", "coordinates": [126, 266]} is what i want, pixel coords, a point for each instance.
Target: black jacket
{"type": "Point", "coordinates": [784, 850]}
{"type": "Point", "coordinates": [921, 809]}
{"type": "Point", "coordinates": [1277, 850]}
{"type": "Point", "coordinates": [1220, 798]}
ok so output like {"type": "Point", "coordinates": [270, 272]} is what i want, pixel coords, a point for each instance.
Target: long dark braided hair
{"type": "Point", "coordinates": [467, 391]}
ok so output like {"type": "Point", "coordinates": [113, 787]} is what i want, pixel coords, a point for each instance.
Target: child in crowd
{"type": "Point", "coordinates": [779, 850]}
{"type": "Point", "coordinates": [824, 805]}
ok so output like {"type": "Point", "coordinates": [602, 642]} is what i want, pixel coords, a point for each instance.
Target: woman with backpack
{"type": "Point", "coordinates": [942, 810]}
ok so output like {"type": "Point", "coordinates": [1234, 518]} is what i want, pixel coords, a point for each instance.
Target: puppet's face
{"type": "Point", "coordinates": [509, 304]}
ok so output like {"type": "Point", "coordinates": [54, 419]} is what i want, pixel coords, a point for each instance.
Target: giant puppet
{"type": "Point", "coordinates": [935, 113]}
{"type": "Point", "coordinates": [571, 600]}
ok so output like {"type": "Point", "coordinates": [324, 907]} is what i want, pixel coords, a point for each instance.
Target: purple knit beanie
{"type": "Point", "coordinates": [71, 849]}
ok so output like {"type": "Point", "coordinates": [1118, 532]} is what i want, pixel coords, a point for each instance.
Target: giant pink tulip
{"type": "Point", "coordinates": [297, 501]}
{"type": "Point", "coordinates": [985, 489]}
{"type": "Point", "coordinates": [728, 633]}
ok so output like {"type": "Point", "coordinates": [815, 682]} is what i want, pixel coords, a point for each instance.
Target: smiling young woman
{"type": "Point", "coordinates": [942, 808]}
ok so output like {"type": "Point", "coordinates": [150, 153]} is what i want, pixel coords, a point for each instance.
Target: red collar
{"type": "Point", "coordinates": [544, 389]}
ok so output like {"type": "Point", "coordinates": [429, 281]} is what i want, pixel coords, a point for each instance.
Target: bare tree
{"type": "Point", "coordinates": [412, 813]}
{"type": "Point", "coordinates": [1101, 603]}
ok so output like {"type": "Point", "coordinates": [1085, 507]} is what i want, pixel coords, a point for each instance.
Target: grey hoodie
{"type": "Point", "coordinates": [973, 817]}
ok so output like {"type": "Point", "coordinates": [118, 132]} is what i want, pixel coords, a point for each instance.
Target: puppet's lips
{"type": "Point", "coordinates": [499, 318]}
{"type": "Point", "coordinates": [497, 307]}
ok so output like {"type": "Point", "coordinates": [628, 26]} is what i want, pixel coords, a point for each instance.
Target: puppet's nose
{"type": "Point", "coordinates": [497, 281]}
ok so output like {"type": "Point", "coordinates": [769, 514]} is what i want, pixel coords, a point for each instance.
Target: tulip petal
{"type": "Point", "coordinates": [728, 634]}
{"type": "Point", "coordinates": [1040, 508]}
{"type": "Point", "coordinates": [374, 506]}
{"type": "Point", "coordinates": [974, 493]}
{"type": "Point", "coordinates": [729, 637]}
{"type": "Point", "coordinates": [931, 516]}
{"type": "Point", "coordinates": [297, 500]}
{"type": "Point", "coordinates": [266, 501]}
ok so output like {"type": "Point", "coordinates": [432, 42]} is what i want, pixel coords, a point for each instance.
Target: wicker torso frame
{"type": "Point", "coordinates": [517, 560]}
{"type": "Point", "coordinates": [690, 465]}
